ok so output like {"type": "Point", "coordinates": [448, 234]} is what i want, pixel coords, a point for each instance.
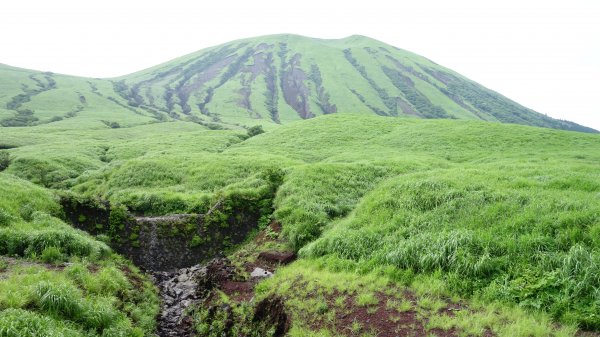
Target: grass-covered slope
{"type": "Point", "coordinates": [476, 212]}
{"type": "Point", "coordinates": [30, 97]}
{"type": "Point", "coordinates": [58, 281]}
{"type": "Point", "coordinates": [267, 80]}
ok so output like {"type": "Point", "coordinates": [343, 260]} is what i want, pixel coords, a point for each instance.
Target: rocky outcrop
{"type": "Point", "coordinates": [178, 290]}
{"type": "Point", "coordinates": [183, 289]}
{"type": "Point", "coordinates": [166, 242]}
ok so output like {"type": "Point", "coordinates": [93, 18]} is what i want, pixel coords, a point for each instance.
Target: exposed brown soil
{"type": "Point", "coordinates": [277, 257]}
{"type": "Point", "coordinates": [238, 290]}
{"type": "Point", "coordinates": [243, 289]}
{"type": "Point", "coordinates": [353, 319]}
{"type": "Point", "coordinates": [387, 322]}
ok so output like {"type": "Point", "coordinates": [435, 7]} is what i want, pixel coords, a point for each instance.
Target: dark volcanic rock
{"type": "Point", "coordinates": [216, 272]}
{"type": "Point", "coordinates": [185, 287]}
{"type": "Point", "coordinates": [178, 289]}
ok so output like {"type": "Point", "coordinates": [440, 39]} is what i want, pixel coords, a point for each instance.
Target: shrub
{"type": "Point", "coordinates": [255, 130]}
{"type": "Point", "coordinates": [4, 160]}
{"type": "Point", "coordinates": [5, 218]}
{"type": "Point", "coordinates": [51, 255]}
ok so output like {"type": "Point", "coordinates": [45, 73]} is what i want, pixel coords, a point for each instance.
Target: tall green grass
{"type": "Point", "coordinates": [40, 298]}
{"type": "Point", "coordinates": [525, 235]}
{"type": "Point", "coordinates": [89, 303]}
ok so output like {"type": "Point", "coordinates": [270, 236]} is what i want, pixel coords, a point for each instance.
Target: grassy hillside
{"type": "Point", "coordinates": [269, 80]}
{"type": "Point", "coordinates": [58, 281]}
{"type": "Point", "coordinates": [503, 219]}
{"type": "Point", "coordinates": [30, 97]}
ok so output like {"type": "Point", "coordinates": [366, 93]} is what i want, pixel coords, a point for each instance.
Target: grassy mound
{"type": "Point", "coordinates": [56, 280]}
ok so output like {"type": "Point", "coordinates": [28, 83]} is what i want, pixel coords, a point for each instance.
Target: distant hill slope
{"type": "Point", "coordinates": [263, 80]}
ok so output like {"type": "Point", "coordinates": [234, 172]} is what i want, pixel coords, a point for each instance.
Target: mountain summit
{"type": "Point", "coordinates": [270, 79]}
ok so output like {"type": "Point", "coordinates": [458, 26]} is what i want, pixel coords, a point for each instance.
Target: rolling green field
{"type": "Point", "coordinates": [492, 214]}
{"type": "Point", "coordinates": [392, 177]}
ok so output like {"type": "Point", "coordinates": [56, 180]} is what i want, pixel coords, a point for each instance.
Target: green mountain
{"type": "Point", "coordinates": [265, 80]}
{"type": "Point", "coordinates": [400, 226]}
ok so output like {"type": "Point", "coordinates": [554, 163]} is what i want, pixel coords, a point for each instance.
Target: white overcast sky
{"type": "Point", "coordinates": [542, 54]}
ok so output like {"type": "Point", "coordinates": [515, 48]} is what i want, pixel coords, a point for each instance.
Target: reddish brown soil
{"type": "Point", "coordinates": [387, 323]}
{"type": "Point", "coordinates": [238, 290]}
{"type": "Point", "coordinates": [277, 257]}
{"type": "Point", "coordinates": [243, 290]}
{"type": "Point", "coordinates": [379, 319]}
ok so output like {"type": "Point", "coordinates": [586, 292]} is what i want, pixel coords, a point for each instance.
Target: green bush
{"type": "Point", "coordinates": [34, 242]}
{"type": "Point", "coordinates": [255, 130]}
{"type": "Point", "coordinates": [99, 314]}
{"type": "Point", "coordinates": [5, 218]}
{"type": "Point", "coordinates": [51, 255]}
{"type": "Point", "coordinates": [4, 160]}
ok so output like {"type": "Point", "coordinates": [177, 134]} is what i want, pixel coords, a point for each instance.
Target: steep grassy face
{"type": "Point", "coordinates": [268, 80]}
{"type": "Point", "coordinates": [285, 77]}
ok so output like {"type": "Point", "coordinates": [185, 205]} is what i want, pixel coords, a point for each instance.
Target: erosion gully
{"type": "Point", "coordinates": [169, 248]}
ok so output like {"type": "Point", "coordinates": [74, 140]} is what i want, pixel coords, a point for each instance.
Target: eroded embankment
{"type": "Point", "coordinates": [166, 242]}
{"type": "Point", "coordinates": [170, 248]}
